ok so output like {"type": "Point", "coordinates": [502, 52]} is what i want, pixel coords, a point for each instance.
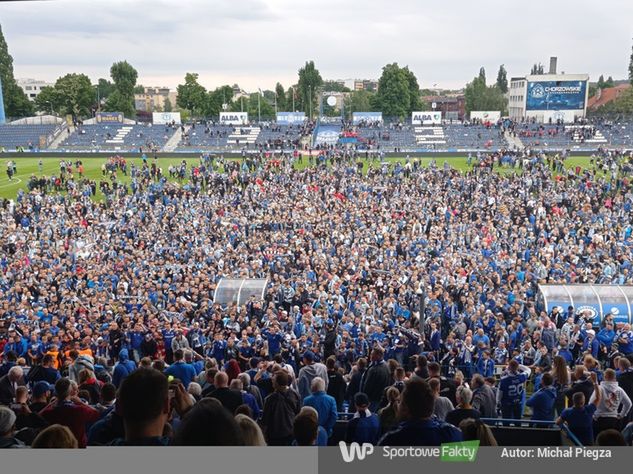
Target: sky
{"type": "Point", "coordinates": [257, 43]}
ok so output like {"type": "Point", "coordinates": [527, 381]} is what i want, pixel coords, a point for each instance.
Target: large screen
{"type": "Point", "coordinates": [556, 95]}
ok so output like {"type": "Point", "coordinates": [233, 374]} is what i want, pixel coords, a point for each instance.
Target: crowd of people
{"type": "Point", "coordinates": [403, 299]}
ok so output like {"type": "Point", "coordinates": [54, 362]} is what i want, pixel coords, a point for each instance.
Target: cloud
{"type": "Point", "coordinates": [258, 42]}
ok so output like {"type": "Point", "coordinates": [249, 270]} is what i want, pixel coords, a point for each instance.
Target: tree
{"type": "Point", "coordinates": [16, 103]}
{"type": "Point", "coordinates": [631, 67]}
{"type": "Point", "coordinates": [393, 98]}
{"type": "Point", "coordinates": [122, 98]}
{"type": "Point", "coordinates": [481, 98]}
{"type": "Point", "coordinates": [333, 86]}
{"type": "Point", "coordinates": [139, 89]}
{"type": "Point", "coordinates": [482, 74]}
{"type": "Point", "coordinates": [216, 99]}
{"type": "Point", "coordinates": [72, 94]}
{"type": "Point", "coordinates": [415, 99]}
{"type": "Point", "coordinates": [105, 88]}
{"type": "Point", "coordinates": [537, 69]}
{"type": "Point", "coordinates": [191, 95]}
{"type": "Point", "coordinates": [280, 94]}
{"type": "Point", "coordinates": [502, 79]}
{"type": "Point", "coordinates": [167, 105]}
{"type": "Point", "coordinates": [622, 105]}
{"type": "Point", "coordinates": [609, 82]}
{"type": "Point", "coordinates": [601, 82]}
{"type": "Point", "coordinates": [310, 81]}
{"type": "Point", "coordinates": [360, 101]}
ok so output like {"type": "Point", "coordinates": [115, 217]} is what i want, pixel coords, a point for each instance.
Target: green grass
{"type": "Point", "coordinates": [92, 168]}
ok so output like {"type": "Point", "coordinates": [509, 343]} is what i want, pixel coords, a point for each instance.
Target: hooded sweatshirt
{"type": "Point", "coordinates": [542, 403]}
{"type": "Point", "coordinates": [307, 374]}
{"type": "Point", "coordinates": [612, 397]}
{"type": "Point", "coordinates": [123, 368]}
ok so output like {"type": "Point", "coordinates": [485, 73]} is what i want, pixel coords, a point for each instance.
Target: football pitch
{"type": "Point", "coordinates": [28, 166]}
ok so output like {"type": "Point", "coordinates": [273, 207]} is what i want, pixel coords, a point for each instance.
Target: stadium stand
{"type": "Point", "coordinates": [117, 137]}
{"type": "Point", "coordinates": [28, 137]}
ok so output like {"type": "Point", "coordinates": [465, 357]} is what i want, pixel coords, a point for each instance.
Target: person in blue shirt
{"type": "Point", "coordinates": [485, 365]}
{"type": "Point", "coordinates": [364, 427]}
{"type": "Point", "coordinates": [606, 336]}
{"type": "Point", "coordinates": [180, 369]}
{"type": "Point", "coordinates": [123, 368]}
{"type": "Point", "coordinates": [274, 340]}
{"type": "Point", "coordinates": [324, 404]}
{"type": "Point", "coordinates": [579, 418]}
{"type": "Point", "coordinates": [625, 340]}
{"type": "Point", "coordinates": [591, 344]}
{"type": "Point", "coordinates": [419, 427]}
{"type": "Point", "coordinates": [511, 390]}
{"type": "Point", "coordinates": [219, 348]}
{"type": "Point", "coordinates": [543, 400]}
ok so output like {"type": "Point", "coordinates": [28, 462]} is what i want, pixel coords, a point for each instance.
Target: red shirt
{"type": "Point", "coordinates": [76, 417]}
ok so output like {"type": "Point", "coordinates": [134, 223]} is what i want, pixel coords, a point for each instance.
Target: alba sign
{"type": "Point", "coordinates": [234, 118]}
{"type": "Point", "coordinates": [426, 118]}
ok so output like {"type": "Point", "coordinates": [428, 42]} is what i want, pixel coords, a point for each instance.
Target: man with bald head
{"type": "Point", "coordinates": [9, 384]}
{"type": "Point", "coordinates": [229, 398]}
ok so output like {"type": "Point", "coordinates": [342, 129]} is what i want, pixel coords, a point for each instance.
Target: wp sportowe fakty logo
{"type": "Point", "coordinates": [355, 451]}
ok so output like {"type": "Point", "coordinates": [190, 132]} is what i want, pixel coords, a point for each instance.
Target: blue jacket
{"type": "Point", "coordinates": [363, 429]}
{"type": "Point", "coordinates": [182, 371]}
{"type": "Point", "coordinates": [542, 403]}
{"type": "Point", "coordinates": [432, 432]}
{"type": "Point", "coordinates": [325, 405]}
{"type": "Point", "coordinates": [486, 367]}
{"type": "Point", "coordinates": [123, 368]}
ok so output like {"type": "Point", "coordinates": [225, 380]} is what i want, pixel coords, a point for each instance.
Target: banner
{"type": "Point", "coordinates": [161, 118]}
{"type": "Point", "coordinates": [556, 95]}
{"type": "Point", "coordinates": [426, 118]}
{"type": "Point", "coordinates": [358, 117]}
{"type": "Point", "coordinates": [492, 117]}
{"type": "Point", "coordinates": [289, 118]}
{"type": "Point", "coordinates": [234, 118]}
{"type": "Point", "coordinates": [109, 117]}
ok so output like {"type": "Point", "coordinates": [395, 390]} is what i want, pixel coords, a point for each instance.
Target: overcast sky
{"type": "Point", "coordinates": [259, 42]}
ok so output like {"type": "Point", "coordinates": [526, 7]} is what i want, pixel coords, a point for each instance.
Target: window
{"type": "Point", "coordinates": [28, 88]}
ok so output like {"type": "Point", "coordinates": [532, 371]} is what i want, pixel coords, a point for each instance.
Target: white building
{"type": "Point", "coordinates": [32, 87]}
{"type": "Point", "coordinates": [548, 98]}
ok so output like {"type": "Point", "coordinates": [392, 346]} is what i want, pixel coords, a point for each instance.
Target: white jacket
{"type": "Point", "coordinates": [612, 397]}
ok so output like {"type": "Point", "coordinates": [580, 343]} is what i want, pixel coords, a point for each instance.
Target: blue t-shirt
{"type": "Point", "coordinates": [542, 403]}
{"type": "Point", "coordinates": [183, 371]}
{"type": "Point", "coordinates": [580, 422]}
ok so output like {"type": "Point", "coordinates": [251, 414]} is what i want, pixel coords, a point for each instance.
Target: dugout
{"type": "Point", "coordinates": [599, 300]}
{"type": "Point", "coordinates": [239, 291]}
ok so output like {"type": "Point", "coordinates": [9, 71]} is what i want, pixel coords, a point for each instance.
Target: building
{"type": "Point", "coordinates": [452, 107]}
{"type": "Point", "coordinates": [32, 87]}
{"type": "Point", "coordinates": [549, 98]}
{"type": "Point", "coordinates": [365, 85]}
{"type": "Point", "coordinates": [153, 99]}
{"type": "Point", "coordinates": [606, 96]}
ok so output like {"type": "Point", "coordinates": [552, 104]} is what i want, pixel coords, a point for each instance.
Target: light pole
{"type": "Point", "coordinates": [51, 104]}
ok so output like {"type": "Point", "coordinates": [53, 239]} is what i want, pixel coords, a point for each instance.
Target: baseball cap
{"type": "Point", "coordinates": [308, 355]}
{"type": "Point", "coordinates": [41, 387]}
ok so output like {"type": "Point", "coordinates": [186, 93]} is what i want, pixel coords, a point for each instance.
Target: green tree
{"type": "Point", "coordinates": [139, 89]}
{"type": "Point", "coordinates": [479, 97]}
{"type": "Point", "coordinates": [291, 99]}
{"type": "Point", "coordinates": [502, 79]}
{"type": "Point", "coordinates": [122, 98]}
{"type": "Point", "coordinates": [537, 69]}
{"type": "Point", "coordinates": [47, 100]}
{"type": "Point", "coordinates": [609, 82]}
{"type": "Point", "coordinates": [393, 98]}
{"type": "Point", "coordinates": [333, 86]}
{"type": "Point", "coordinates": [281, 97]}
{"type": "Point", "coordinates": [360, 101]}
{"type": "Point", "coordinates": [415, 98]}
{"type": "Point", "coordinates": [191, 95]}
{"type": "Point", "coordinates": [167, 105]}
{"type": "Point", "coordinates": [105, 88]}
{"type": "Point", "coordinates": [72, 94]}
{"type": "Point", "coordinates": [631, 67]}
{"type": "Point", "coordinates": [310, 81]}
{"type": "Point", "coordinates": [216, 99]}
{"type": "Point", "coordinates": [16, 103]}
{"type": "Point", "coordinates": [601, 82]}
{"type": "Point", "coordinates": [622, 105]}
{"type": "Point", "coordinates": [482, 74]}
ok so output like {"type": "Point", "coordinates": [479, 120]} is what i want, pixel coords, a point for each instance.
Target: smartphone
{"type": "Point", "coordinates": [172, 393]}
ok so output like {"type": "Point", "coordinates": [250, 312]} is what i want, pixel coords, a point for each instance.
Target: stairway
{"type": "Point", "coordinates": [175, 139]}
{"type": "Point", "coordinates": [514, 143]}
